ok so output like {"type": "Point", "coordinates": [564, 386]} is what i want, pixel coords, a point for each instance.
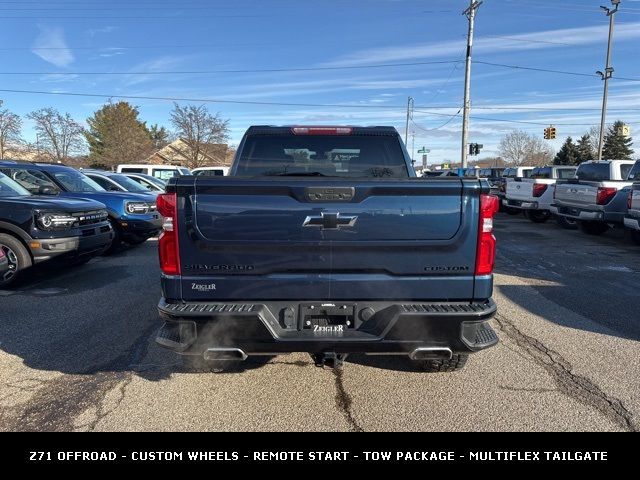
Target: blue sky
{"type": "Point", "coordinates": [54, 44]}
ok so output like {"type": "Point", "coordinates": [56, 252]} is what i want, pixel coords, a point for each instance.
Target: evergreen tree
{"type": "Point", "coordinates": [617, 146]}
{"type": "Point", "coordinates": [585, 148]}
{"type": "Point", "coordinates": [568, 154]}
{"type": "Point", "coordinates": [116, 135]}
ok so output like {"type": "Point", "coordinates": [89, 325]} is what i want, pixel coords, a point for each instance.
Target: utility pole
{"type": "Point", "coordinates": [413, 146]}
{"type": "Point", "coordinates": [471, 15]}
{"type": "Point", "coordinates": [608, 73]}
{"type": "Point", "coordinates": [406, 129]}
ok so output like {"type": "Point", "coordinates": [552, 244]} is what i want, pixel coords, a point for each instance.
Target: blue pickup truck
{"type": "Point", "coordinates": [323, 240]}
{"type": "Point", "coordinates": [133, 216]}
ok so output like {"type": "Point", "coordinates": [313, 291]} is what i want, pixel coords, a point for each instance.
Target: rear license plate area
{"type": "Point", "coordinates": [327, 316]}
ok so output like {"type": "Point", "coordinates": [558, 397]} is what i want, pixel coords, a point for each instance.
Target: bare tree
{"type": "Point", "coordinates": [520, 148]}
{"type": "Point", "coordinates": [59, 135]}
{"type": "Point", "coordinates": [594, 133]}
{"type": "Point", "coordinates": [10, 127]}
{"type": "Point", "coordinates": [199, 129]}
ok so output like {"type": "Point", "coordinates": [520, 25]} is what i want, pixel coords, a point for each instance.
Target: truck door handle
{"type": "Point", "coordinates": [330, 221]}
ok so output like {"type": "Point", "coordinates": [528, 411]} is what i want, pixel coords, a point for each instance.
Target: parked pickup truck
{"type": "Point", "coordinates": [323, 240]}
{"type": "Point", "coordinates": [493, 176]}
{"type": "Point", "coordinates": [534, 195]}
{"type": "Point", "coordinates": [39, 228]}
{"type": "Point", "coordinates": [509, 174]}
{"type": "Point", "coordinates": [596, 197]}
{"type": "Point", "coordinates": [632, 218]}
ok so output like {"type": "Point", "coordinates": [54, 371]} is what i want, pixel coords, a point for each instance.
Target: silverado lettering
{"type": "Point", "coordinates": [201, 266]}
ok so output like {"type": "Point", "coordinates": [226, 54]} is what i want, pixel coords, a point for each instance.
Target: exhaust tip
{"type": "Point", "coordinates": [224, 354]}
{"type": "Point", "coordinates": [431, 353]}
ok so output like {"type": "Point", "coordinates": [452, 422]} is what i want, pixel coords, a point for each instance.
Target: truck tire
{"type": "Point", "coordinates": [512, 211]}
{"type": "Point", "coordinates": [537, 216]}
{"type": "Point", "coordinates": [117, 239]}
{"type": "Point", "coordinates": [593, 228]}
{"type": "Point", "coordinates": [635, 236]}
{"type": "Point", "coordinates": [567, 223]}
{"type": "Point", "coordinates": [456, 362]}
{"type": "Point", "coordinates": [136, 240]}
{"type": "Point", "coordinates": [18, 256]}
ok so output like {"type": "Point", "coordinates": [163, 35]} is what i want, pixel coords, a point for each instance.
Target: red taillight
{"type": "Point", "coordinates": [629, 201]}
{"type": "Point", "coordinates": [321, 130]}
{"type": "Point", "coordinates": [486, 253]}
{"type": "Point", "coordinates": [605, 194]}
{"type": "Point", "coordinates": [168, 247]}
{"type": "Point", "coordinates": [539, 189]}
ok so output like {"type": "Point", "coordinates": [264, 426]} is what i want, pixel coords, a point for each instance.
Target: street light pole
{"type": "Point", "coordinates": [608, 73]}
{"type": "Point", "coordinates": [471, 15]}
{"type": "Point", "coordinates": [406, 128]}
{"type": "Point", "coordinates": [413, 146]}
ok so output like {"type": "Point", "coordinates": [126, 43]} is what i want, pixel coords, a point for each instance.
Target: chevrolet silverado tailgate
{"type": "Point", "coordinates": [257, 238]}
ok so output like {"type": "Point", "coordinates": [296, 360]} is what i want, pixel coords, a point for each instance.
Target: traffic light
{"type": "Point", "coordinates": [550, 133]}
{"type": "Point", "coordinates": [474, 148]}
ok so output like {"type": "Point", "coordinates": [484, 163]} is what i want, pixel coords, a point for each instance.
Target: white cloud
{"type": "Point", "coordinates": [92, 32]}
{"type": "Point", "coordinates": [561, 38]}
{"type": "Point", "coordinates": [56, 78]}
{"type": "Point", "coordinates": [165, 63]}
{"type": "Point", "coordinates": [111, 52]}
{"type": "Point", "coordinates": [51, 46]}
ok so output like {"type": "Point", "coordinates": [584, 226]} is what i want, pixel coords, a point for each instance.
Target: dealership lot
{"type": "Point", "coordinates": [77, 353]}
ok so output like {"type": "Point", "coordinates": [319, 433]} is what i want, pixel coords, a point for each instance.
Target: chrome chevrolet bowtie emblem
{"type": "Point", "coordinates": [330, 221]}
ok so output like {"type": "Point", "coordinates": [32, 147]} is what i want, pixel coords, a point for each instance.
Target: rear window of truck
{"type": "Point", "coordinates": [491, 173]}
{"type": "Point", "coordinates": [625, 170]}
{"type": "Point", "coordinates": [513, 173]}
{"type": "Point", "coordinates": [634, 174]}
{"type": "Point", "coordinates": [322, 155]}
{"type": "Point", "coordinates": [593, 172]}
{"type": "Point", "coordinates": [541, 172]}
{"type": "Point", "coordinates": [564, 173]}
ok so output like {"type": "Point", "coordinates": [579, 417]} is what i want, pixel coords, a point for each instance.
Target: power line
{"type": "Point", "coordinates": [139, 47]}
{"type": "Point", "coordinates": [309, 69]}
{"type": "Point", "coordinates": [283, 104]}
{"type": "Point", "coordinates": [503, 120]}
{"type": "Point", "coordinates": [526, 40]}
{"type": "Point", "coordinates": [127, 17]}
{"type": "Point", "coordinates": [524, 122]}
{"type": "Point", "coordinates": [200, 100]}
{"type": "Point", "coordinates": [547, 70]}
{"type": "Point", "coordinates": [254, 70]}
{"type": "Point", "coordinates": [419, 127]}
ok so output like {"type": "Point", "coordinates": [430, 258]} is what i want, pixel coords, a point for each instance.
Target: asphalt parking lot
{"type": "Point", "coordinates": [77, 353]}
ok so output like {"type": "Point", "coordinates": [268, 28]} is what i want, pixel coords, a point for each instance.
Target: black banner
{"type": "Point", "coordinates": [322, 449]}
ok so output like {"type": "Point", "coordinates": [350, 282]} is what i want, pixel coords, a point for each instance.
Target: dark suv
{"type": "Point", "coordinates": [132, 216]}
{"type": "Point", "coordinates": [35, 228]}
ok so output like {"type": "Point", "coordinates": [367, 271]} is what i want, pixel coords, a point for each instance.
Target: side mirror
{"type": "Point", "coordinates": [47, 191]}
